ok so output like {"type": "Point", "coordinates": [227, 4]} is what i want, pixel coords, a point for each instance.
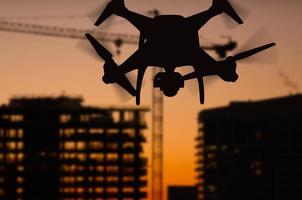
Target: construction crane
{"type": "Point", "coordinates": [157, 97]}
{"type": "Point", "coordinates": [118, 40]}
{"type": "Point", "coordinates": [66, 32]}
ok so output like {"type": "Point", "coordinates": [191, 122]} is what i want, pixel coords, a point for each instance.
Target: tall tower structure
{"type": "Point", "coordinates": [157, 142]}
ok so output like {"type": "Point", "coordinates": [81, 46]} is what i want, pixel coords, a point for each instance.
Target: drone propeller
{"type": "Point", "coordinates": [252, 52]}
{"type": "Point", "coordinates": [94, 14]}
{"type": "Point", "coordinates": [235, 58]}
{"type": "Point", "coordinates": [113, 7]}
{"type": "Point", "coordinates": [262, 36]}
{"type": "Point", "coordinates": [98, 51]}
{"type": "Point", "coordinates": [85, 46]}
{"type": "Point", "coordinates": [237, 13]}
{"type": "Point", "coordinates": [106, 12]}
{"type": "Point", "coordinates": [112, 72]}
{"type": "Point", "coordinates": [229, 10]}
{"type": "Point", "coordinates": [258, 39]}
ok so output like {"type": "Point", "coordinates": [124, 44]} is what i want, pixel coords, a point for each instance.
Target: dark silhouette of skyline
{"type": "Point", "coordinates": [51, 65]}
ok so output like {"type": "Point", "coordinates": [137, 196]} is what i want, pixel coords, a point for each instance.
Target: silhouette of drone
{"type": "Point", "coordinates": [169, 41]}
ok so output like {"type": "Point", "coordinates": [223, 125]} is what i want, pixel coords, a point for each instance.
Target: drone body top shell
{"type": "Point", "coordinates": [171, 42]}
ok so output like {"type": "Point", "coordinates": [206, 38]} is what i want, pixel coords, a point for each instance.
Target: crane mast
{"type": "Point", "coordinates": [157, 97]}
{"type": "Point", "coordinates": [157, 141]}
{"type": "Point", "coordinates": [157, 134]}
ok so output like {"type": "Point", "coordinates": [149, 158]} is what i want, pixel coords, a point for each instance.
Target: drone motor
{"type": "Point", "coordinates": [228, 70]}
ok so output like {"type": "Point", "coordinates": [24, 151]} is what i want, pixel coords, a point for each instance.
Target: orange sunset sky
{"type": "Point", "coordinates": [40, 65]}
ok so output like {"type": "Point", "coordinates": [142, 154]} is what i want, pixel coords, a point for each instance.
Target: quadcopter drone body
{"type": "Point", "coordinates": [169, 41]}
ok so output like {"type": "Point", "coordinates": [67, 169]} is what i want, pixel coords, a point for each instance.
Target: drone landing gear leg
{"type": "Point", "coordinates": [201, 85]}
{"type": "Point", "coordinates": [203, 64]}
{"type": "Point", "coordinates": [135, 61]}
{"type": "Point", "coordinates": [140, 76]}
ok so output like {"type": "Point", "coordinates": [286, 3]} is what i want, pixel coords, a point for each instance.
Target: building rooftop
{"type": "Point", "coordinates": [59, 102]}
{"type": "Point", "coordinates": [275, 108]}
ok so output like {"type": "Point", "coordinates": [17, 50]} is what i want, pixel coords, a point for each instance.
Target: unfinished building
{"type": "Point", "coordinates": [56, 148]}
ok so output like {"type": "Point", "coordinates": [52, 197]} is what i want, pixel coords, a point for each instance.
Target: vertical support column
{"type": "Point", "coordinates": [157, 141]}
{"type": "Point", "coordinates": [120, 160]}
{"type": "Point", "coordinates": [105, 164]}
{"type": "Point", "coordinates": [137, 164]}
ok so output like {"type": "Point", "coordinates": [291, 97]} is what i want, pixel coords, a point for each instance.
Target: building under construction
{"type": "Point", "coordinates": [251, 150]}
{"type": "Point", "coordinates": [182, 193]}
{"type": "Point", "coordinates": [56, 148]}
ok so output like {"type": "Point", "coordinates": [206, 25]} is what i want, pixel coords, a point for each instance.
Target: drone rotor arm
{"type": "Point", "coordinates": [217, 8]}
{"type": "Point", "coordinates": [141, 22]}
{"type": "Point", "coordinates": [195, 74]}
{"type": "Point", "coordinates": [190, 76]}
{"type": "Point", "coordinates": [200, 19]}
{"type": "Point", "coordinates": [125, 83]}
{"type": "Point", "coordinates": [209, 65]}
{"type": "Point", "coordinates": [133, 62]}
